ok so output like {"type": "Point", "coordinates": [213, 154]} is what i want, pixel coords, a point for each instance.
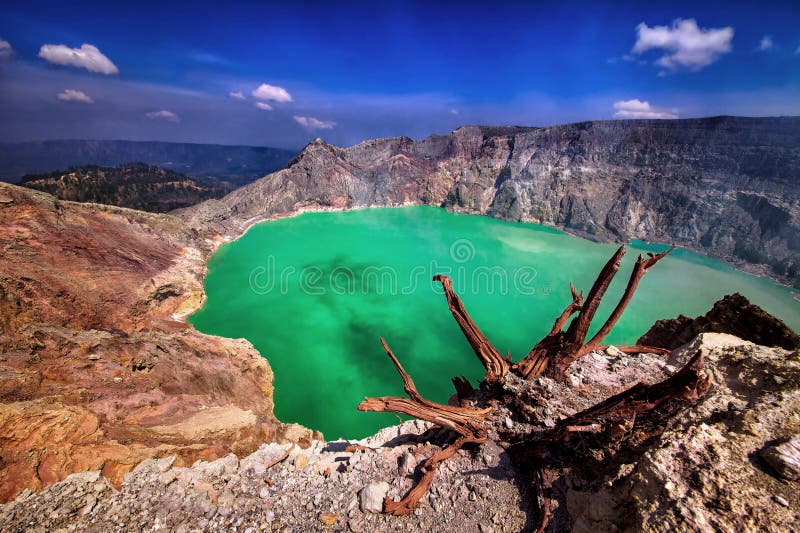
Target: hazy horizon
{"type": "Point", "coordinates": [419, 138]}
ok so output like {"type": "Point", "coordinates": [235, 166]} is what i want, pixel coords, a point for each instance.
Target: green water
{"type": "Point", "coordinates": [315, 292]}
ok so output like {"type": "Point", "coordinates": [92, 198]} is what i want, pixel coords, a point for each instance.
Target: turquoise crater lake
{"type": "Point", "coordinates": [314, 293]}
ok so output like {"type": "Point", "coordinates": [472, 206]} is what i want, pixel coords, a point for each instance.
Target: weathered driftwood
{"type": "Point", "coordinates": [626, 419]}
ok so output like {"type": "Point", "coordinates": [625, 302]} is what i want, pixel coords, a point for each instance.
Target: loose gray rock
{"type": "Point", "coordinates": [371, 497]}
{"type": "Point", "coordinates": [91, 501]}
{"type": "Point", "coordinates": [781, 500]}
{"type": "Point", "coordinates": [613, 351]}
{"type": "Point", "coordinates": [407, 463]}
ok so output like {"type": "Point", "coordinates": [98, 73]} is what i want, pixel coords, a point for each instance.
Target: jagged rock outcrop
{"type": "Point", "coordinates": [702, 474]}
{"type": "Point", "coordinates": [726, 186]}
{"type": "Point", "coordinates": [705, 473]}
{"type": "Point", "coordinates": [733, 314]}
{"type": "Point", "coordinates": [97, 371]}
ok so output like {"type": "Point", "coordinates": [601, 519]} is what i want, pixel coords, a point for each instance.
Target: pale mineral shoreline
{"type": "Point", "coordinates": [187, 310]}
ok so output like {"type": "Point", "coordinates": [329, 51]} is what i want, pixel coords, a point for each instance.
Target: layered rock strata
{"type": "Point", "coordinates": [726, 186]}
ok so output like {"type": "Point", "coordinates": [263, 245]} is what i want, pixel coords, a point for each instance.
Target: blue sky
{"type": "Point", "coordinates": [353, 71]}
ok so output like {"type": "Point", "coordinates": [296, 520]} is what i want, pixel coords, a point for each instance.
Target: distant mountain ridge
{"type": "Point", "coordinates": [236, 165]}
{"type": "Point", "coordinates": [133, 185]}
{"type": "Point", "coordinates": [726, 186]}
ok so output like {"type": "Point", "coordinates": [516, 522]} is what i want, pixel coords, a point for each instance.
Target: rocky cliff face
{"type": "Point", "coordinates": [729, 187]}
{"type": "Point", "coordinates": [96, 369]}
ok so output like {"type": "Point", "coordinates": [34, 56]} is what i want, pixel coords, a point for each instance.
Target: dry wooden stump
{"type": "Point", "coordinates": [624, 420]}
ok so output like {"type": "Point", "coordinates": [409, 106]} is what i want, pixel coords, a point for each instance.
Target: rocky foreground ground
{"type": "Point", "coordinates": [728, 464]}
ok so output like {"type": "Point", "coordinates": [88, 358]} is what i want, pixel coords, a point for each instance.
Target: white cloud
{"type": "Point", "coordinates": [163, 115]}
{"type": "Point", "coordinates": [5, 49]}
{"type": "Point", "coordinates": [766, 43]}
{"type": "Point", "coordinates": [263, 105]}
{"type": "Point", "coordinates": [637, 109]}
{"type": "Point", "coordinates": [87, 56]}
{"type": "Point", "coordinates": [71, 95]}
{"type": "Point", "coordinates": [685, 45]}
{"type": "Point", "coordinates": [313, 123]}
{"type": "Point", "coordinates": [454, 111]}
{"type": "Point", "coordinates": [238, 95]}
{"type": "Point", "coordinates": [272, 93]}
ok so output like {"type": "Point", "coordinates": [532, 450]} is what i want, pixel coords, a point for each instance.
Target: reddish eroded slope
{"type": "Point", "coordinates": [96, 371]}
{"type": "Point", "coordinates": [66, 263]}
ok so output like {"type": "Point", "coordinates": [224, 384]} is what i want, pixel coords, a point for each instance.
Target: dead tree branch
{"type": "Point", "coordinates": [574, 307]}
{"type": "Point", "coordinates": [410, 501]}
{"type": "Point", "coordinates": [468, 423]}
{"type": "Point", "coordinates": [577, 331]}
{"type": "Point", "coordinates": [627, 418]}
{"type": "Point", "coordinates": [639, 270]}
{"type": "Point", "coordinates": [558, 349]}
{"type": "Point", "coordinates": [643, 406]}
{"type": "Point", "coordinates": [495, 364]}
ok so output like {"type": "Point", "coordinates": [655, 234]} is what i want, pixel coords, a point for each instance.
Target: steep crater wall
{"type": "Point", "coordinates": [726, 186]}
